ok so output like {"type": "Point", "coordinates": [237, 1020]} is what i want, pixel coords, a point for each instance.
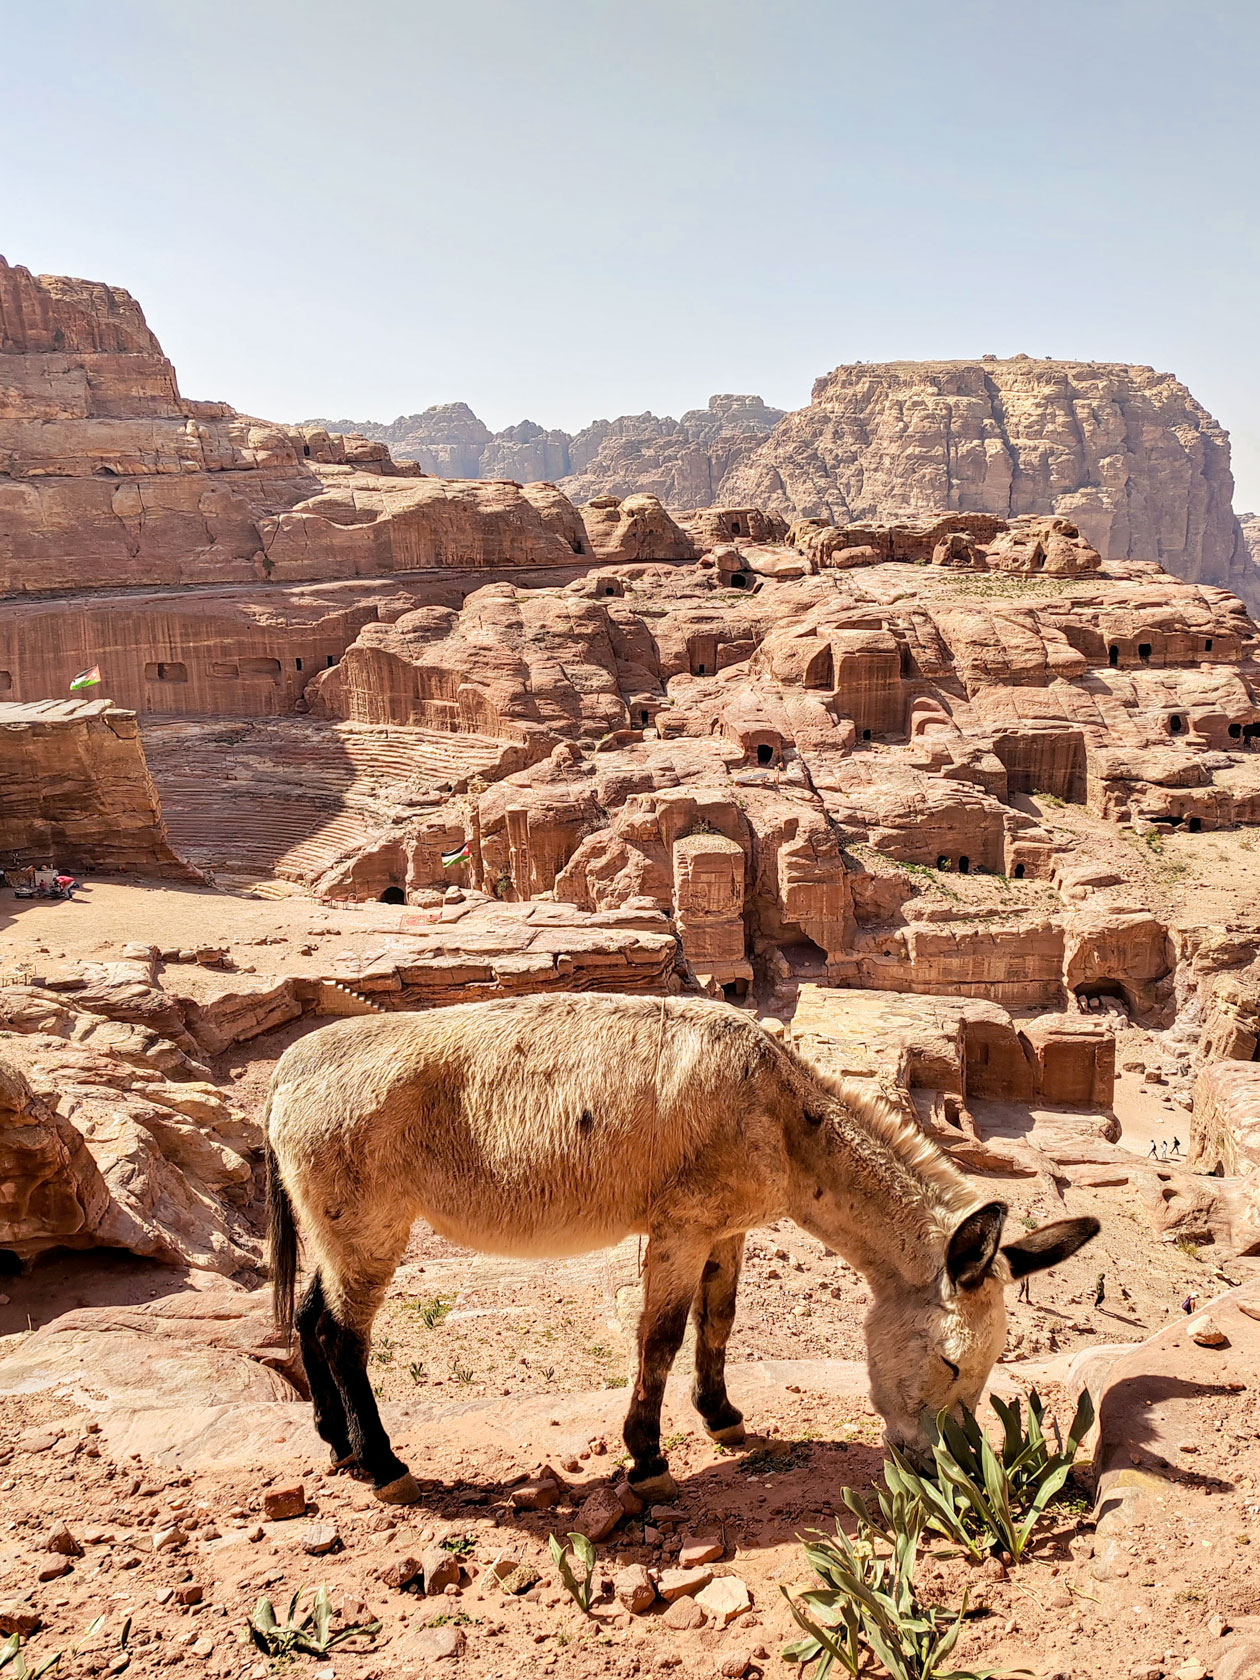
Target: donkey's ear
{"type": "Point", "coordinates": [974, 1244]}
{"type": "Point", "coordinates": [1049, 1244]}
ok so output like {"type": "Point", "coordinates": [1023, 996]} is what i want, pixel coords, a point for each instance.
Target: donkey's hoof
{"type": "Point", "coordinates": [404, 1491]}
{"type": "Point", "coordinates": [655, 1490]}
{"type": "Point", "coordinates": [734, 1435]}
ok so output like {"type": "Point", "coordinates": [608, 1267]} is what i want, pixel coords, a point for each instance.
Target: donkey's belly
{"type": "Point", "coordinates": [494, 1230]}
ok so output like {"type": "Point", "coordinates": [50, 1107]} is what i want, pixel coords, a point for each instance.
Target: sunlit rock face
{"type": "Point", "coordinates": [1125, 452]}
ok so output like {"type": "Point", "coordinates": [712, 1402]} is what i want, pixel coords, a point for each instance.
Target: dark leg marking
{"type": "Point", "coordinates": [714, 1315]}
{"type": "Point", "coordinates": [326, 1402]}
{"type": "Point", "coordinates": [347, 1354]}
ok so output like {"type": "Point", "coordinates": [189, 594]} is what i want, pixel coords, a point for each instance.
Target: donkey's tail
{"type": "Point", "coordinates": [282, 1246]}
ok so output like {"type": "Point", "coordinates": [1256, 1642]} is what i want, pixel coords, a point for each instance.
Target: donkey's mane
{"type": "Point", "coordinates": [883, 1119]}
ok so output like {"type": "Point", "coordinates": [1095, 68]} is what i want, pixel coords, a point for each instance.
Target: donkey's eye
{"type": "Point", "coordinates": [953, 1369]}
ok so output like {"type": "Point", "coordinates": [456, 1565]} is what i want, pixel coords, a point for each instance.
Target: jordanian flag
{"type": "Point", "coordinates": [86, 679]}
{"type": "Point", "coordinates": [459, 855]}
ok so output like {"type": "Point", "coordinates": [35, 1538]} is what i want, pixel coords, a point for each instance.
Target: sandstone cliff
{"type": "Point", "coordinates": [109, 477]}
{"type": "Point", "coordinates": [1124, 452]}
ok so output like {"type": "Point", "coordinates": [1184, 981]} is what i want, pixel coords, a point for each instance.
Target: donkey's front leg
{"type": "Point", "coordinates": [715, 1314]}
{"type": "Point", "coordinates": [670, 1278]}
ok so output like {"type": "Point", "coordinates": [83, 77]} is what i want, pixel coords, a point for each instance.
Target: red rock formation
{"type": "Point", "coordinates": [75, 791]}
{"type": "Point", "coordinates": [1124, 452]}
{"type": "Point", "coordinates": [96, 441]}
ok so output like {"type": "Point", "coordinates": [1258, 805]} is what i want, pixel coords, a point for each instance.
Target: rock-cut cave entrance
{"type": "Point", "coordinates": [393, 895]}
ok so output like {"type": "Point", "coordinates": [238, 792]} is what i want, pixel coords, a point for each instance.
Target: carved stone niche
{"type": "Point", "coordinates": [709, 873]}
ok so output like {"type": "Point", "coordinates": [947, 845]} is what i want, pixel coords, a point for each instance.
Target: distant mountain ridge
{"type": "Point", "coordinates": [681, 461]}
{"type": "Point", "coordinates": [1125, 451]}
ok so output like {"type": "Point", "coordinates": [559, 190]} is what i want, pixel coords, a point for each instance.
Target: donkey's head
{"type": "Point", "coordinates": [931, 1346]}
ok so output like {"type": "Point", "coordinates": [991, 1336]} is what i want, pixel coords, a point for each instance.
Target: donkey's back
{"type": "Point", "coordinates": [540, 1124]}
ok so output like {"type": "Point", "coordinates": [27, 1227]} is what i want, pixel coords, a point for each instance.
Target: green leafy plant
{"type": "Point", "coordinates": [984, 1499]}
{"type": "Point", "coordinates": [13, 1656]}
{"type": "Point", "coordinates": [433, 1311]}
{"type": "Point", "coordinates": [868, 1603]}
{"type": "Point", "coordinates": [311, 1633]}
{"type": "Point", "coordinates": [581, 1592]}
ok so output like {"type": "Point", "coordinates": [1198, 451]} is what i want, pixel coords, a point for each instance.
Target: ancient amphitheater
{"type": "Point", "coordinates": [957, 798]}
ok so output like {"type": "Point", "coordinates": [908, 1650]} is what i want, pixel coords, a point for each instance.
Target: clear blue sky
{"type": "Point", "coordinates": [588, 207]}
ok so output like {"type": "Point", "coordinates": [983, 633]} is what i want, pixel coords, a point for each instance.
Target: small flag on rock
{"type": "Point", "coordinates": [459, 855]}
{"type": "Point", "coordinates": [86, 679]}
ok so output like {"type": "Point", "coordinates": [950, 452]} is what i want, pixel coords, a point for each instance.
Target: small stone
{"type": "Point", "coordinates": [192, 1592]}
{"type": "Point", "coordinates": [279, 1504]}
{"type": "Point", "coordinates": [682, 1583]}
{"type": "Point", "coordinates": [994, 1569]}
{"type": "Point", "coordinates": [1217, 1627]}
{"type": "Point", "coordinates": [1191, 1671]}
{"type": "Point", "coordinates": [629, 1500]}
{"type": "Point", "coordinates": [167, 1539]}
{"type": "Point", "coordinates": [1061, 1600]}
{"type": "Point", "coordinates": [37, 1441]}
{"type": "Point", "coordinates": [1146, 1671]}
{"type": "Point", "coordinates": [399, 1571]}
{"type": "Point", "coordinates": [539, 1494]}
{"type": "Point", "coordinates": [735, 1663]}
{"type": "Point", "coordinates": [320, 1539]}
{"type": "Point", "coordinates": [599, 1515]}
{"type": "Point", "coordinates": [652, 1536]}
{"type": "Point", "coordinates": [255, 1534]}
{"type": "Point", "coordinates": [202, 1648]}
{"type": "Point", "coordinates": [569, 1464]}
{"type": "Point", "coordinates": [61, 1540]}
{"type": "Point", "coordinates": [1206, 1332]}
{"type": "Point", "coordinates": [725, 1599]}
{"type": "Point", "coordinates": [441, 1570]}
{"type": "Point", "coordinates": [434, 1643]}
{"type": "Point", "coordinates": [683, 1615]}
{"type": "Point", "coordinates": [699, 1548]}
{"type": "Point", "coordinates": [54, 1569]}
{"type": "Point", "coordinates": [16, 1617]}
{"type": "Point", "coordinates": [633, 1588]}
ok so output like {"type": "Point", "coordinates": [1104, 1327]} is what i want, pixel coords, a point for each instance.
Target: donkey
{"type": "Point", "coordinates": [558, 1123]}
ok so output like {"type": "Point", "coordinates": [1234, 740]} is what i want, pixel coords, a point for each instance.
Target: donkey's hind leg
{"type": "Point", "coordinates": [671, 1276]}
{"type": "Point", "coordinates": [326, 1401]}
{"type": "Point", "coordinates": [714, 1313]}
{"type": "Point", "coordinates": [354, 1293]}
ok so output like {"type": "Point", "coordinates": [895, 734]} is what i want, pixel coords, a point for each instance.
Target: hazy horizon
{"type": "Point", "coordinates": [572, 211]}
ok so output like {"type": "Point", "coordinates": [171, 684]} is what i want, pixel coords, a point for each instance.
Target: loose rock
{"type": "Point", "coordinates": [725, 1599]}
{"type": "Point", "coordinates": [633, 1588]}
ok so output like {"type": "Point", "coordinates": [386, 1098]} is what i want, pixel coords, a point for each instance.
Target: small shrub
{"type": "Point", "coordinates": [983, 1500]}
{"type": "Point", "coordinates": [868, 1603]}
{"type": "Point", "coordinates": [433, 1311]}
{"type": "Point", "coordinates": [581, 1592]}
{"type": "Point", "coordinates": [463, 1375]}
{"type": "Point", "coordinates": [312, 1633]}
